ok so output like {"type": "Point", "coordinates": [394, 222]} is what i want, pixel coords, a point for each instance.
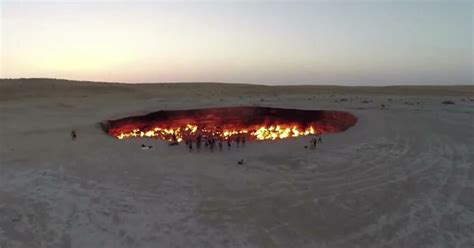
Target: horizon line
{"type": "Point", "coordinates": [255, 84]}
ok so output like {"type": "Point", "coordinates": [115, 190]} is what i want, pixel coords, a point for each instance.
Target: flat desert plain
{"type": "Point", "coordinates": [401, 177]}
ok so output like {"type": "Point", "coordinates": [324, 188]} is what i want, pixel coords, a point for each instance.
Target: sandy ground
{"type": "Point", "coordinates": [402, 177]}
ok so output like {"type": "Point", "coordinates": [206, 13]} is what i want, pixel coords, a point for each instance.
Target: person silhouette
{"type": "Point", "coordinates": [190, 145]}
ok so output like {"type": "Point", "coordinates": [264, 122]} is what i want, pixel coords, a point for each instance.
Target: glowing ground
{"type": "Point", "coordinates": [229, 123]}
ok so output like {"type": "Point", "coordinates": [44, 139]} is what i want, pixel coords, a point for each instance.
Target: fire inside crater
{"type": "Point", "coordinates": [250, 123]}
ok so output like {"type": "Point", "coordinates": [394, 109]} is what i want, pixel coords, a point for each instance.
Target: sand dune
{"type": "Point", "coordinates": [402, 177]}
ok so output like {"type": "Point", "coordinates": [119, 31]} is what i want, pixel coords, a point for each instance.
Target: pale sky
{"type": "Point", "coordinates": [310, 42]}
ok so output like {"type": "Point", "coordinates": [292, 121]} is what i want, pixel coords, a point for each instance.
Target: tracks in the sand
{"type": "Point", "coordinates": [399, 185]}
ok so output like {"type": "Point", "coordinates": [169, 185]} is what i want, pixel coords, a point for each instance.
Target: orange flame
{"type": "Point", "coordinates": [273, 132]}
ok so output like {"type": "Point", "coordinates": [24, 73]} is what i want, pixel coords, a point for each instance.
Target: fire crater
{"type": "Point", "coordinates": [250, 123]}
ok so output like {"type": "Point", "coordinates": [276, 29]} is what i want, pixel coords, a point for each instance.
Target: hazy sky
{"type": "Point", "coordinates": [312, 42]}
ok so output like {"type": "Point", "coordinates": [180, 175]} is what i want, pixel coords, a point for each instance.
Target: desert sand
{"type": "Point", "coordinates": [401, 177]}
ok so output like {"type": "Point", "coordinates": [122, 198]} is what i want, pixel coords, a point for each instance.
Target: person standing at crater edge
{"type": "Point", "coordinates": [198, 141]}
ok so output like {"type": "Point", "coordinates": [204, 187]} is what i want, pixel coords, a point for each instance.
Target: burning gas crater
{"type": "Point", "coordinates": [250, 123]}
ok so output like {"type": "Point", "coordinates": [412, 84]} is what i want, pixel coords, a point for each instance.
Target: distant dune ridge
{"type": "Point", "coordinates": [12, 88]}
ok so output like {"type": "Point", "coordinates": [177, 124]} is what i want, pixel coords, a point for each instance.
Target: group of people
{"type": "Point", "coordinates": [212, 143]}
{"type": "Point", "coordinates": [314, 142]}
